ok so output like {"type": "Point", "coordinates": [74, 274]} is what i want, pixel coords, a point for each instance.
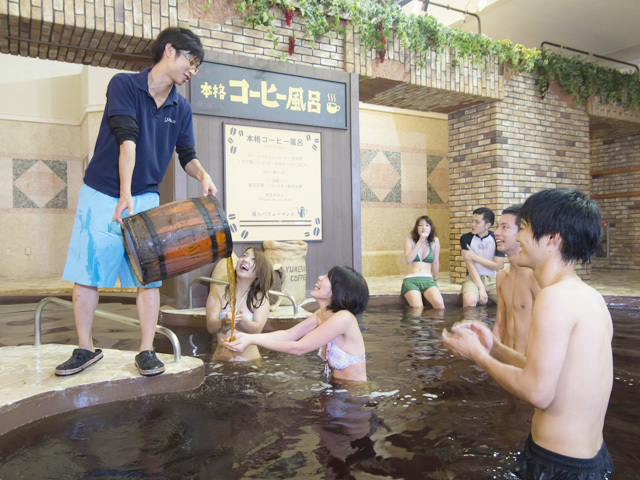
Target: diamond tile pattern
{"type": "Point", "coordinates": [437, 180]}
{"type": "Point", "coordinates": [382, 172]}
{"type": "Point", "coordinates": [39, 184]}
{"type": "Point", "coordinates": [380, 176]}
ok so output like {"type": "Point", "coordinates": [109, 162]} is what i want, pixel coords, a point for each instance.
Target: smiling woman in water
{"type": "Point", "coordinates": [253, 279]}
{"type": "Point", "coordinates": [333, 329]}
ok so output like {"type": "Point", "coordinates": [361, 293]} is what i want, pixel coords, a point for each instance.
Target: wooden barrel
{"type": "Point", "coordinates": [176, 238]}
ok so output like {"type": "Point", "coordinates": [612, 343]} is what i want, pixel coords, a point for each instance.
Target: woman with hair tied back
{"type": "Point", "coordinates": [333, 329]}
{"type": "Point", "coordinates": [253, 279]}
{"type": "Point", "coordinates": [422, 254]}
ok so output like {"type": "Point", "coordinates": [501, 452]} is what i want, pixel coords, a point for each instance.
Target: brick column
{"type": "Point", "coordinates": [616, 188]}
{"type": "Point", "coordinates": [503, 151]}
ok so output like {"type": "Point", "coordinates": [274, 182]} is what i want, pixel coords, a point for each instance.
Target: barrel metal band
{"type": "Point", "coordinates": [156, 243]}
{"type": "Point", "coordinates": [204, 213]}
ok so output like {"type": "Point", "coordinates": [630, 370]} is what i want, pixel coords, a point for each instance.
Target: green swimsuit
{"type": "Point", "coordinates": [420, 283]}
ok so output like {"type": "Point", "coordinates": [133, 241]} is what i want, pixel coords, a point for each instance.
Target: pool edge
{"type": "Point", "coordinates": [96, 387]}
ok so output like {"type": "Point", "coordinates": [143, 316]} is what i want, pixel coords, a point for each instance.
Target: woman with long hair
{"type": "Point", "coordinates": [253, 279]}
{"type": "Point", "coordinates": [422, 254]}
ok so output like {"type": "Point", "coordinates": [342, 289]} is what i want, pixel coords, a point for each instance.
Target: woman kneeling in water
{"type": "Point", "coordinates": [254, 277]}
{"type": "Point", "coordinates": [333, 329]}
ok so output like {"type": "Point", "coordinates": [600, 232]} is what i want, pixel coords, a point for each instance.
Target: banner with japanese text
{"type": "Point", "coordinates": [229, 91]}
{"type": "Point", "coordinates": [273, 184]}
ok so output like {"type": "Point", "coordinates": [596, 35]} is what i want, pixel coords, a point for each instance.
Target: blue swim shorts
{"type": "Point", "coordinates": [422, 284]}
{"type": "Point", "coordinates": [97, 255]}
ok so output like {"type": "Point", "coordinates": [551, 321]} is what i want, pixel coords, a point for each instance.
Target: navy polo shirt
{"type": "Point", "coordinates": [161, 130]}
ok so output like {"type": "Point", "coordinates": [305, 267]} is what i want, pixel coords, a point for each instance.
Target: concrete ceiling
{"type": "Point", "coordinates": [604, 27]}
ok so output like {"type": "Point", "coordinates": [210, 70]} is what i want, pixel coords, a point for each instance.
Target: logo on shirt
{"type": "Point", "coordinates": [482, 246]}
{"type": "Point", "coordinates": [167, 119]}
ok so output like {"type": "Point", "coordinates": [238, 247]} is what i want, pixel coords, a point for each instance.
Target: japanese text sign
{"type": "Point", "coordinates": [273, 184]}
{"type": "Point", "coordinates": [229, 91]}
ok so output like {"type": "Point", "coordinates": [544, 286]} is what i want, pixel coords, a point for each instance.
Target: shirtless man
{"type": "Point", "coordinates": [567, 373]}
{"type": "Point", "coordinates": [516, 286]}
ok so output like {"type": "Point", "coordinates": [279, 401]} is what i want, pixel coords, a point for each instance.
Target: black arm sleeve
{"type": "Point", "coordinates": [124, 128]}
{"type": "Point", "coordinates": [186, 154]}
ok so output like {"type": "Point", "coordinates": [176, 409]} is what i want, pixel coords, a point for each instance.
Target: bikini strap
{"type": "Point", "coordinates": [324, 347]}
{"type": "Point", "coordinates": [242, 300]}
{"type": "Point", "coordinates": [237, 303]}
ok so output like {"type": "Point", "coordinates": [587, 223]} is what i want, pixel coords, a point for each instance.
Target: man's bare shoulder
{"type": "Point", "coordinates": [527, 277]}
{"type": "Point", "coordinates": [502, 279]}
{"type": "Point", "coordinates": [575, 286]}
{"type": "Point", "coordinates": [502, 274]}
{"type": "Point", "coordinates": [571, 299]}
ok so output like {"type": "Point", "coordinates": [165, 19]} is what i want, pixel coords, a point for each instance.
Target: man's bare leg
{"type": "Point", "coordinates": [469, 299]}
{"type": "Point", "coordinates": [85, 301]}
{"type": "Point", "coordinates": [148, 304]}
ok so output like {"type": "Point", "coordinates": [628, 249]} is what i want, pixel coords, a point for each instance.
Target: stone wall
{"type": "Point", "coordinates": [615, 184]}
{"type": "Point", "coordinates": [221, 29]}
{"type": "Point", "coordinates": [44, 148]}
{"type": "Point", "coordinates": [39, 182]}
{"type": "Point", "coordinates": [501, 152]}
{"type": "Point", "coordinates": [403, 170]}
{"type": "Point", "coordinates": [106, 33]}
{"type": "Point", "coordinates": [504, 141]}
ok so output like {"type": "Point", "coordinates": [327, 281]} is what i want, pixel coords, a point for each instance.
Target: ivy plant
{"type": "Point", "coordinates": [374, 22]}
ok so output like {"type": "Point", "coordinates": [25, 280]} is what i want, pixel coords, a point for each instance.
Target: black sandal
{"type": "Point", "coordinates": [80, 359]}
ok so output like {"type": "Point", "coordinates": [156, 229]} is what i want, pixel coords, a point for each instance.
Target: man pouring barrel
{"type": "Point", "coordinates": [144, 121]}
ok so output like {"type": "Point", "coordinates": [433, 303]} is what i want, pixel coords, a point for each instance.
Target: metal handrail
{"type": "Point", "coordinates": [111, 316]}
{"type": "Point", "coordinates": [615, 60]}
{"type": "Point", "coordinates": [222, 282]}
{"type": "Point", "coordinates": [449, 7]}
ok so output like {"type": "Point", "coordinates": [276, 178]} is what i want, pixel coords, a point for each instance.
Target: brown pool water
{"type": "Point", "coordinates": [426, 414]}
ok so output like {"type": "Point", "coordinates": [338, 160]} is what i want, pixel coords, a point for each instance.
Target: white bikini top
{"type": "Point", "coordinates": [249, 315]}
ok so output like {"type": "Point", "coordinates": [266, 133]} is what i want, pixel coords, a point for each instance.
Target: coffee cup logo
{"type": "Point", "coordinates": [333, 107]}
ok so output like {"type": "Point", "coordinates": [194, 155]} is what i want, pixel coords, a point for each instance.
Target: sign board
{"type": "Point", "coordinates": [273, 184]}
{"type": "Point", "coordinates": [237, 92]}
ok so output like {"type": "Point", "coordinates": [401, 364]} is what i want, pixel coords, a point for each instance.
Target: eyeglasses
{"type": "Point", "coordinates": [194, 65]}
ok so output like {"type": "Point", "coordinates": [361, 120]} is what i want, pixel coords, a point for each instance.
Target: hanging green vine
{"type": "Point", "coordinates": [585, 78]}
{"type": "Point", "coordinates": [374, 21]}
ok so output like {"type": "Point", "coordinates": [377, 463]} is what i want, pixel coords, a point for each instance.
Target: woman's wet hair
{"type": "Point", "coordinates": [181, 39]}
{"type": "Point", "coordinates": [349, 290]}
{"type": "Point", "coordinates": [569, 213]}
{"type": "Point", "coordinates": [265, 277]}
{"type": "Point", "coordinates": [432, 234]}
